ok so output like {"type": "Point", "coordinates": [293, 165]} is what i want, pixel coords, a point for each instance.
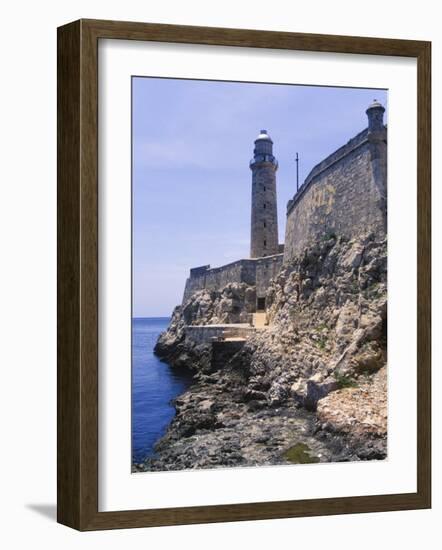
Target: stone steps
{"type": "Point", "coordinates": [259, 320]}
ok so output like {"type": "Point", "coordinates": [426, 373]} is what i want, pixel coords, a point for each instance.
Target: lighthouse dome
{"type": "Point", "coordinates": [263, 151]}
{"type": "Point", "coordinates": [263, 135]}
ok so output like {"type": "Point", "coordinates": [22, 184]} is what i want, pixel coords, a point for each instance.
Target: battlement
{"type": "Point", "coordinates": [252, 271]}
{"type": "Point", "coordinates": [198, 271]}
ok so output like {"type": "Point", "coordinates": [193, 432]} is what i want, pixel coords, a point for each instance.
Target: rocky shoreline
{"type": "Point", "coordinates": [311, 387]}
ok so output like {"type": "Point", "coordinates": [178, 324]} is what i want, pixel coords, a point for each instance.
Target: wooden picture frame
{"type": "Point", "coordinates": [78, 274]}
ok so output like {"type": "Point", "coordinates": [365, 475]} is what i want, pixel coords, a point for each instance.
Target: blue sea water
{"type": "Point", "coordinates": [154, 384]}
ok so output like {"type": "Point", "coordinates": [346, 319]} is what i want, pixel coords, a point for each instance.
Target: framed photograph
{"type": "Point", "coordinates": [243, 274]}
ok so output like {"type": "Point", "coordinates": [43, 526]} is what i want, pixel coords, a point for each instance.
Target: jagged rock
{"type": "Point", "coordinates": [315, 376]}
{"type": "Point", "coordinates": [277, 393]}
{"type": "Point", "coordinates": [299, 390]}
{"type": "Point", "coordinates": [353, 258]}
{"type": "Point", "coordinates": [360, 413]}
{"type": "Point", "coordinates": [316, 390]}
{"type": "Point", "coordinates": [370, 358]}
{"type": "Point", "coordinates": [346, 322]}
{"type": "Point", "coordinates": [309, 392]}
{"type": "Point", "coordinates": [206, 405]}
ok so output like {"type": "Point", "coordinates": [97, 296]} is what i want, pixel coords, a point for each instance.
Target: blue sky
{"type": "Point", "coordinates": [192, 142]}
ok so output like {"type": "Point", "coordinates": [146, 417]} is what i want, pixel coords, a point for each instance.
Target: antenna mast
{"type": "Point", "coordinates": [297, 172]}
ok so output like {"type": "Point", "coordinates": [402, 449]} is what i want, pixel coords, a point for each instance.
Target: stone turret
{"type": "Point", "coordinates": [264, 223]}
{"type": "Point", "coordinates": [375, 113]}
{"type": "Point", "coordinates": [377, 137]}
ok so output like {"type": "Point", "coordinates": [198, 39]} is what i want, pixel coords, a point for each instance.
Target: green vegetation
{"type": "Point", "coordinates": [320, 339]}
{"type": "Point", "coordinates": [329, 235]}
{"type": "Point", "coordinates": [344, 381]}
{"type": "Point", "coordinates": [321, 343]}
{"type": "Point", "coordinates": [300, 454]}
{"type": "Point", "coordinates": [354, 287]}
{"type": "Point", "coordinates": [374, 290]}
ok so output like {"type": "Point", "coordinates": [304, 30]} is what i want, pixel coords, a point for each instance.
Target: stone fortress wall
{"type": "Point", "coordinates": [241, 271]}
{"type": "Point", "coordinates": [255, 271]}
{"type": "Point", "coordinates": [344, 195]}
{"type": "Point", "coordinates": [266, 269]}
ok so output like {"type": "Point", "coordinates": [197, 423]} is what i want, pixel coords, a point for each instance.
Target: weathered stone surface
{"type": "Point", "coordinates": [360, 413]}
{"type": "Point", "coordinates": [309, 392]}
{"type": "Point", "coordinates": [230, 431]}
{"type": "Point", "coordinates": [264, 222]}
{"type": "Point", "coordinates": [344, 195]}
{"type": "Point", "coordinates": [321, 354]}
{"type": "Point", "coordinates": [256, 273]}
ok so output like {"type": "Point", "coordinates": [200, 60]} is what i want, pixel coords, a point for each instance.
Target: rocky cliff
{"type": "Point", "coordinates": [309, 388]}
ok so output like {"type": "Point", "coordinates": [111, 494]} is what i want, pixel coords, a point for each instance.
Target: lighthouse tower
{"type": "Point", "coordinates": [264, 227]}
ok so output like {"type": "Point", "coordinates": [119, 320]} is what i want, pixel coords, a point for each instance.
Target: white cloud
{"type": "Point", "coordinates": [173, 153]}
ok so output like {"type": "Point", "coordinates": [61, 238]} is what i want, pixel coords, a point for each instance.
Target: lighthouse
{"type": "Point", "coordinates": [264, 222]}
